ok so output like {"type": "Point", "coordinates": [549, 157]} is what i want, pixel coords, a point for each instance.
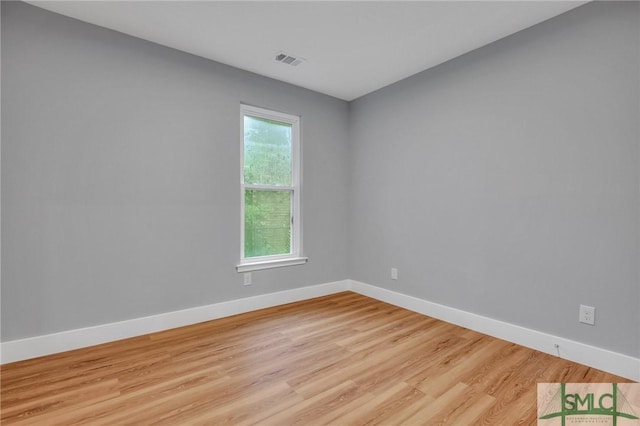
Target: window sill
{"type": "Point", "coordinates": [269, 264]}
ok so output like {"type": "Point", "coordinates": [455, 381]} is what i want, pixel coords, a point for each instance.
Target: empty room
{"type": "Point", "coordinates": [320, 213]}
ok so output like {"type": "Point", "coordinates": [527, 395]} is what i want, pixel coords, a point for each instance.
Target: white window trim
{"type": "Point", "coordinates": [295, 257]}
{"type": "Point", "coordinates": [269, 264]}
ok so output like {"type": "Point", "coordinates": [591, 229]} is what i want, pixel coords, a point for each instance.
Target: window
{"type": "Point", "coordinates": [270, 184]}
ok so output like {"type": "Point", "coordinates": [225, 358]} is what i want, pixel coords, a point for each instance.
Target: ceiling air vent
{"type": "Point", "coordinates": [285, 58]}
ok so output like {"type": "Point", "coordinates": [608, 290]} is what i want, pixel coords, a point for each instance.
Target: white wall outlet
{"type": "Point", "coordinates": [587, 315]}
{"type": "Point", "coordinates": [394, 273]}
{"type": "Point", "coordinates": [247, 278]}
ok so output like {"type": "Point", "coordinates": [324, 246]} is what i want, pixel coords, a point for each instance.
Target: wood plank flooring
{"type": "Point", "coordinates": [343, 359]}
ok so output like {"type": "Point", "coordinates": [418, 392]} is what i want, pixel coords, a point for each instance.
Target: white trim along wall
{"type": "Point", "coordinates": [611, 362]}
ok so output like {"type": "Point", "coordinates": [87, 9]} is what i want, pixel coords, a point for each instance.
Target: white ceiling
{"type": "Point", "coordinates": [351, 48]}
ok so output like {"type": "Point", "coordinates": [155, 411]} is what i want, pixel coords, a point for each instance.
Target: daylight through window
{"type": "Point", "coordinates": [270, 189]}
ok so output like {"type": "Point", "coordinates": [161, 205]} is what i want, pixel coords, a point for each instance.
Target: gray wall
{"type": "Point", "coordinates": [120, 177]}
{"type": "Point", "coordinates": [506, 182]}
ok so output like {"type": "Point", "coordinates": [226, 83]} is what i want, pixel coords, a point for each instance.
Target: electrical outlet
{"type": "Point", "coordinates": [587, 315]}
{"type": "Point", "coordinates": [247, 278]}
{"type": "Point", "coordinates": [394, 273]}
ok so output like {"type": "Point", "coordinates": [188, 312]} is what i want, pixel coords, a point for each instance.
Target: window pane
{"type": "Point", "coordinates": [267, 226]}
{"type": "Point", "coordinates": [267, 152]}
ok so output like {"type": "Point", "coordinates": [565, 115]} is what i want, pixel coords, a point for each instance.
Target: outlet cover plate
{"type": "Point", "coordinates": [394, 273]}
{"type": "Point", "coordinates": [587, 315]}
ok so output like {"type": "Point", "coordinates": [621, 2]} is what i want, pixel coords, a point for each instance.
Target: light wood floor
{"type": "Point", "coordinates": [342, 359]}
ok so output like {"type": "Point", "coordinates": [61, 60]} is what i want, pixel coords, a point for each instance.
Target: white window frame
{"type": "Point", "coordinates": [295, 257]}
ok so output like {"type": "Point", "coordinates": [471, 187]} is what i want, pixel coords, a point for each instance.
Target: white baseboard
{"type": "Point", "coordinates": [602, 359]}
{"type": "Point", "coordinates": [17, 350]}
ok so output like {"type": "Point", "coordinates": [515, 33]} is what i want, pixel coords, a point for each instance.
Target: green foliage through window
{"type": "Point", "coordinates": [267, 158]}
{"type": "Point", "coordinates": [267, 229]}
{"type": "Point", "coordinates": [267, 152]}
